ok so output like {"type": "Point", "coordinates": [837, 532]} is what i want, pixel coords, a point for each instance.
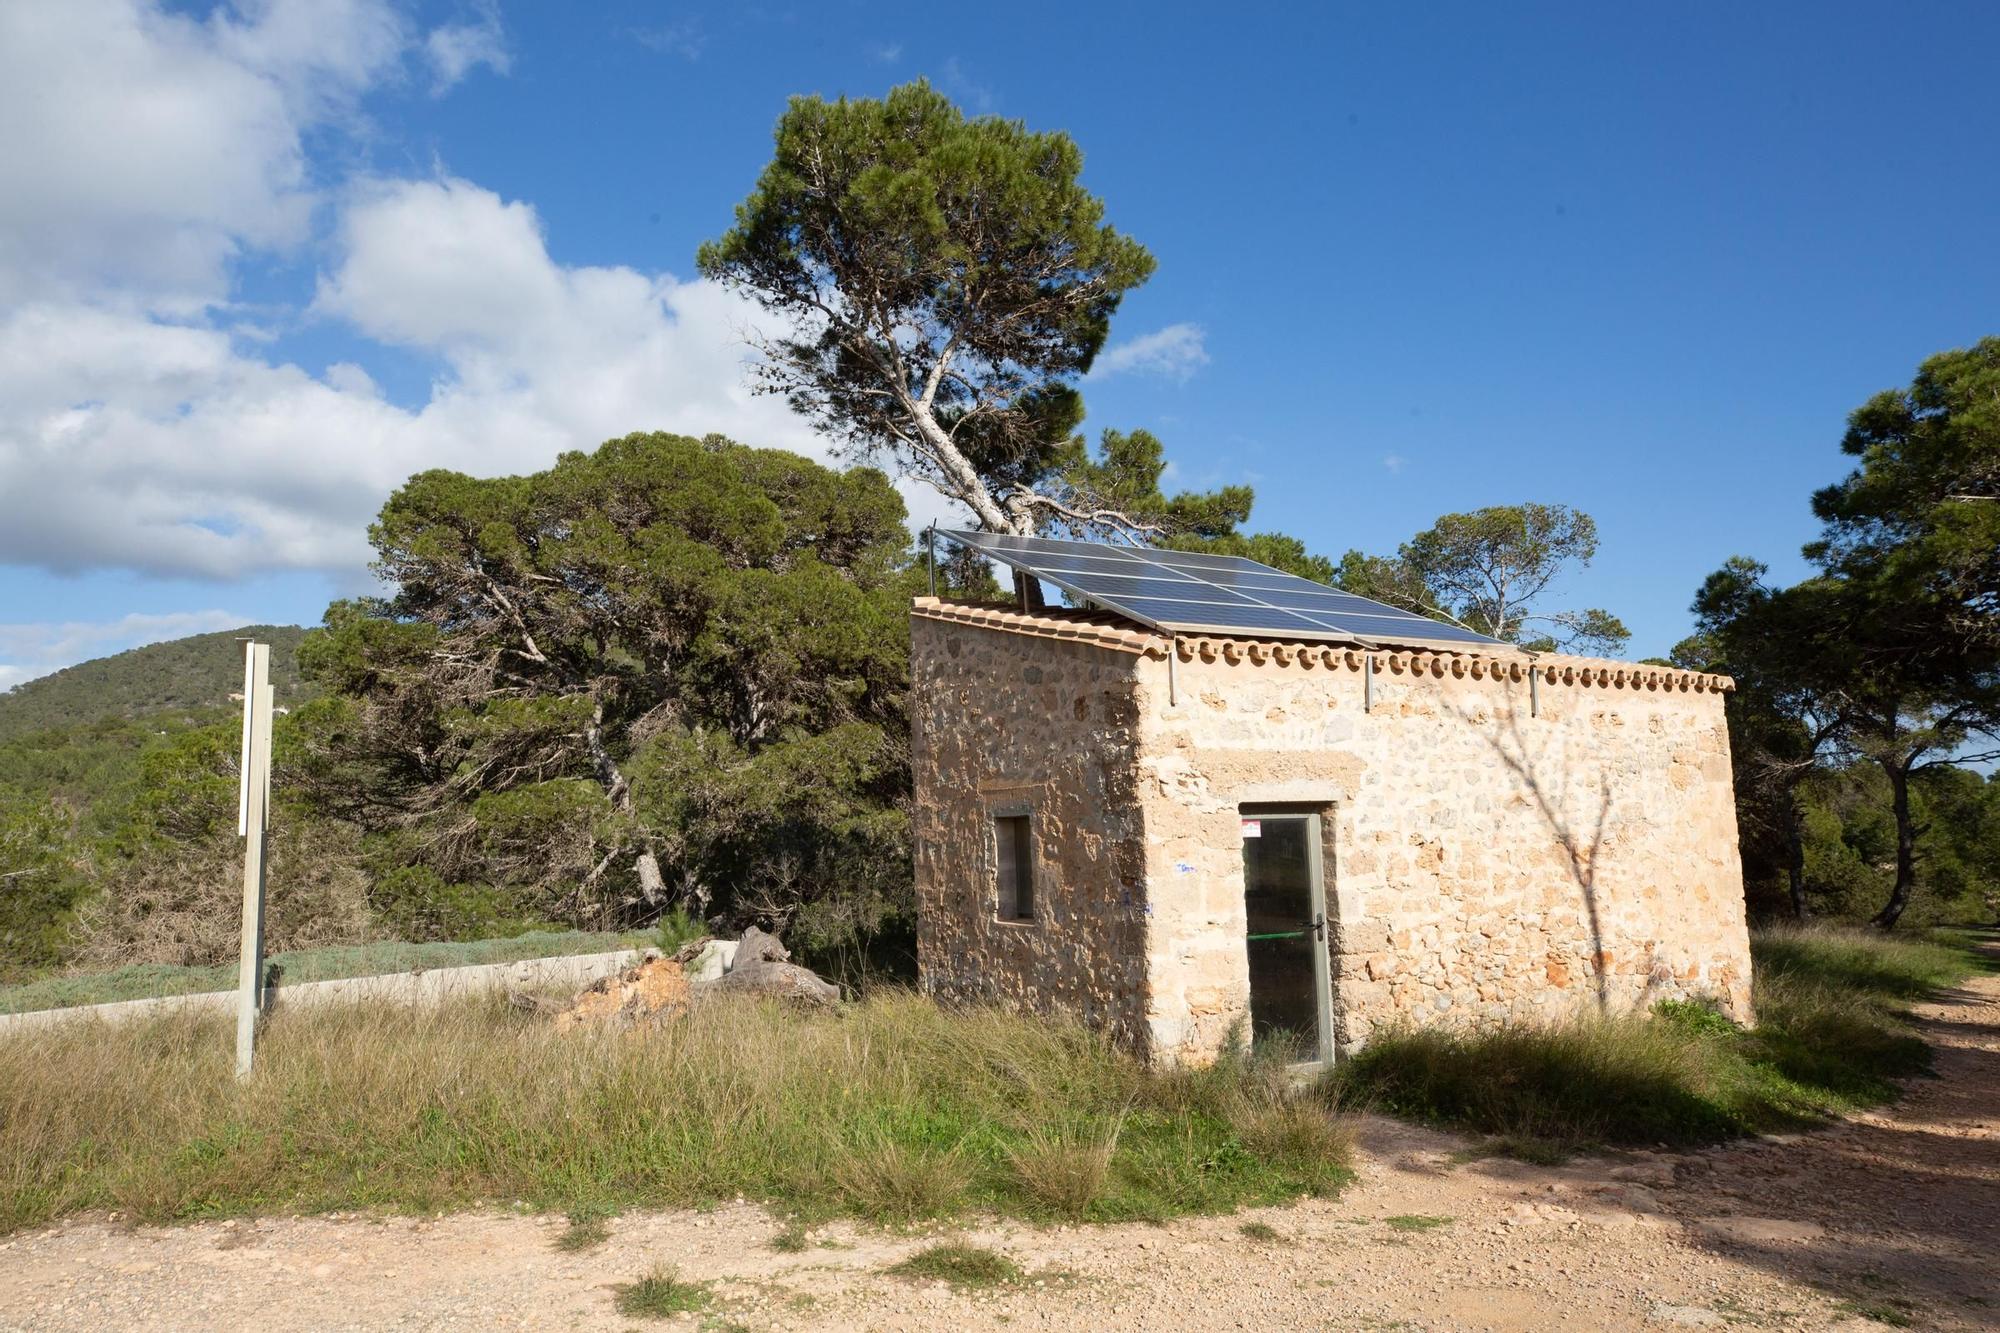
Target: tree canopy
{"type": "Point", "coordinates": [1920, 514]}
{"type": "Point", "coordinates": [669, 670]}
{"type": "Point", "coordinates": [1487, 571]}
{"type": "Point", "coordinates": [1891, 654]}
{"type": "Point", "coordinates": [946, 281]}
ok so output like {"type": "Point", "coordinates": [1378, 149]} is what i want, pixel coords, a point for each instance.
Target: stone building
{"type": "Point", "coordinates": [1189, 839]}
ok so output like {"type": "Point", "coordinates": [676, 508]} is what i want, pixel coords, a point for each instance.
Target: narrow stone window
{"type": "Point", "coordinates": [1016, 867]}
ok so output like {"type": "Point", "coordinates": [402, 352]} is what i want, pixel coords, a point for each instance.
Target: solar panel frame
{"type": "Point", "coordinates": [1145, 585]}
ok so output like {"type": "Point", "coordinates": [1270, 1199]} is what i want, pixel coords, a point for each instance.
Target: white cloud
{"type": "Point", "coordinates": [28, 651]}
{"type": "Point", "coordinates": [888, 53]}
{"type": "Point", "coordinates": [1176, 352]}
{"type": "Point", "coordinates": [1394, 462]}
{"type": "Point", "coordinates": [456, 49]}
{"type": "Point", "coordinates": [683, 38]}
{"type": "Point", "coordinates": [126, 442]}
{"type": "Point", "coordinates": [147, 425]}
{"type": "Point", "coordinates": [146, 149]}
{"type": "Point", "coordinates": [964, 87]}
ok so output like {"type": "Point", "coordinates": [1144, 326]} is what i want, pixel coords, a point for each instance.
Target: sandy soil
{"type": "Point", "coordinates": [1890, 1219]}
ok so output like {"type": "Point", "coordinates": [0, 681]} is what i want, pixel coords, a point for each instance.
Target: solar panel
{"type": "Point", "coordinates": [1182, 591]}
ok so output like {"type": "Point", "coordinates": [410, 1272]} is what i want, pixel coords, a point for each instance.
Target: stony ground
{"type": "Point", "coordinates": [1892, 1220]}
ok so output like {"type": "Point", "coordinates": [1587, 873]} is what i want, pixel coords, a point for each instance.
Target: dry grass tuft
{"type": "Point", "coordinates": [900, 1182]}
{"type": "Point", "coordinates": [1300, 1131]}
{"type": "Point", "coordinates": [1066, 1170]}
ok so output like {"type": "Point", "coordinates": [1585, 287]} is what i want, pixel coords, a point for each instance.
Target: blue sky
{"type": "Point", "coordinates": [258, 263]}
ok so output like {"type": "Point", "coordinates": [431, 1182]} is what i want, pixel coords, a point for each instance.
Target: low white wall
{"type": "Point", "coordinates": [425, 987]}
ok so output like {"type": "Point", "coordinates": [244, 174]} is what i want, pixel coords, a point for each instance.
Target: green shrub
{"type": "Point", "coordinates": [1697, 1018]}
{"type": "Point", "coordinates": [416, 903]}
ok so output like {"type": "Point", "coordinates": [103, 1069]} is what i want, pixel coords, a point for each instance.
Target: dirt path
{"type": "Point", "coordinates": [1889, 1220]}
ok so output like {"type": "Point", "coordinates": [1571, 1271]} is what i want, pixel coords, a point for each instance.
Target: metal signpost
{"type": "Point", "coordinates": [253, 805]}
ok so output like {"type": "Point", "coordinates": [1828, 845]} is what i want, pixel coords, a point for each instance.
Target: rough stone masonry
{"type": "Point", "coordinates": [1495, 847]}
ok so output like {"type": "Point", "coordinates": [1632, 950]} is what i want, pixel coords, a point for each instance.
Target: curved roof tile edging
{"type": "Point", "coordinates": [1115, 632]}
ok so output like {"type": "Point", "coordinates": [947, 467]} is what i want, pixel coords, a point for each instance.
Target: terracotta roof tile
{"type": "Point", "coordinates": [1116, 632]}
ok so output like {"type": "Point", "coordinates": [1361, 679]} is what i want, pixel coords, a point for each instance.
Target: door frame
{"type": "Point", "coordinates": [1316, 826]}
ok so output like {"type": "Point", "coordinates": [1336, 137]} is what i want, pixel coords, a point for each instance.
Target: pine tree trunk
{"type": "Point", "coordinates": [652, 885]}
{"type": "Point", "coordinates": [1795, 861]}
{"type": "Point", "coordinates": [1906, 849]}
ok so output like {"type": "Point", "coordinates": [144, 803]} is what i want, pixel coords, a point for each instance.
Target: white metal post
{"type": "Point", "coordinates": [252, 817]}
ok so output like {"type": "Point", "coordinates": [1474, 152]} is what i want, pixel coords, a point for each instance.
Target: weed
{"type": "Point", "coordinates": [587, 1227]}
{"type": "Point", "coordinates": [661, 1294]}
{"type": "Point", "coordinates": [1416, 1222]}
{"type": "Point", "coordinates": [1261, 1232]}
{"type": "Point", "coordinates": [960, 1264]}
{"type": "Point", "coordinates": [792, 1240]}
{"type": "Point", "coordinates": [1697, 1018]}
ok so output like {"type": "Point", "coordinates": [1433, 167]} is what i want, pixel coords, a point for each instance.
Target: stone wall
{"type": "Point", "coordinates": [1487, 859]}
{"type": "Point", "coordinates": [1485, 863]}
{"type": "Point", "coordinates": [1007, 723]}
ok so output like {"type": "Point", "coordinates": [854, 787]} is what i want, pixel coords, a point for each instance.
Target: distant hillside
{"type": "Point", "coordinates": [196, 672]}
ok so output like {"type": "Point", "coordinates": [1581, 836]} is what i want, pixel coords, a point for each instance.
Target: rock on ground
{"type": "Point", "coordinates": [663, 988]}
{"type": "Point", "coordinates": [763, 966]}
{"type": "Point", "coordinates": [657, 988]}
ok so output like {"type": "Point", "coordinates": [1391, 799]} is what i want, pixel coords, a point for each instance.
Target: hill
{"type": "Point", "coordinates": [192, 673]}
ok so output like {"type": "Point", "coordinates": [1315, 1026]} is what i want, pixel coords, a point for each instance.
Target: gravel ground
{"type": "Point", "coordinates": [1889, 1220]}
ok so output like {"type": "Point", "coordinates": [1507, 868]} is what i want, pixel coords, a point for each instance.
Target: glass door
{"type": "Point", "coordinates": [1284, 897]}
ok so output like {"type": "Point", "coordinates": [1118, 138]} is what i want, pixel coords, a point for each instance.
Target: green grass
{"type": "Point", "coordinates": [1261, 1232]}
{"type": "Point", "coordinates": [588, 1228]}
{"type": "Point", "coordinates": [328, 964]}
{"type": "Point", "coordinates": [793, 1239]}
{"type": "Point", "coordinates": [661, 1295]}
{"type": "Point", "coordinates": [1880, 1311]}
{"type": "Point", "coordinates": [960, 1264]}
{"type": "Point", "coordinates": [1415, 1222]}
{"type": "Point", "coordinates": [1831, 1037]}
{"type": "Point", "coordinates": [891, 1109]}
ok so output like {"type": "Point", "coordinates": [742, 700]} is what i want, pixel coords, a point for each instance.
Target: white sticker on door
{"type": "Point", "coordinates": [1253, 828]}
